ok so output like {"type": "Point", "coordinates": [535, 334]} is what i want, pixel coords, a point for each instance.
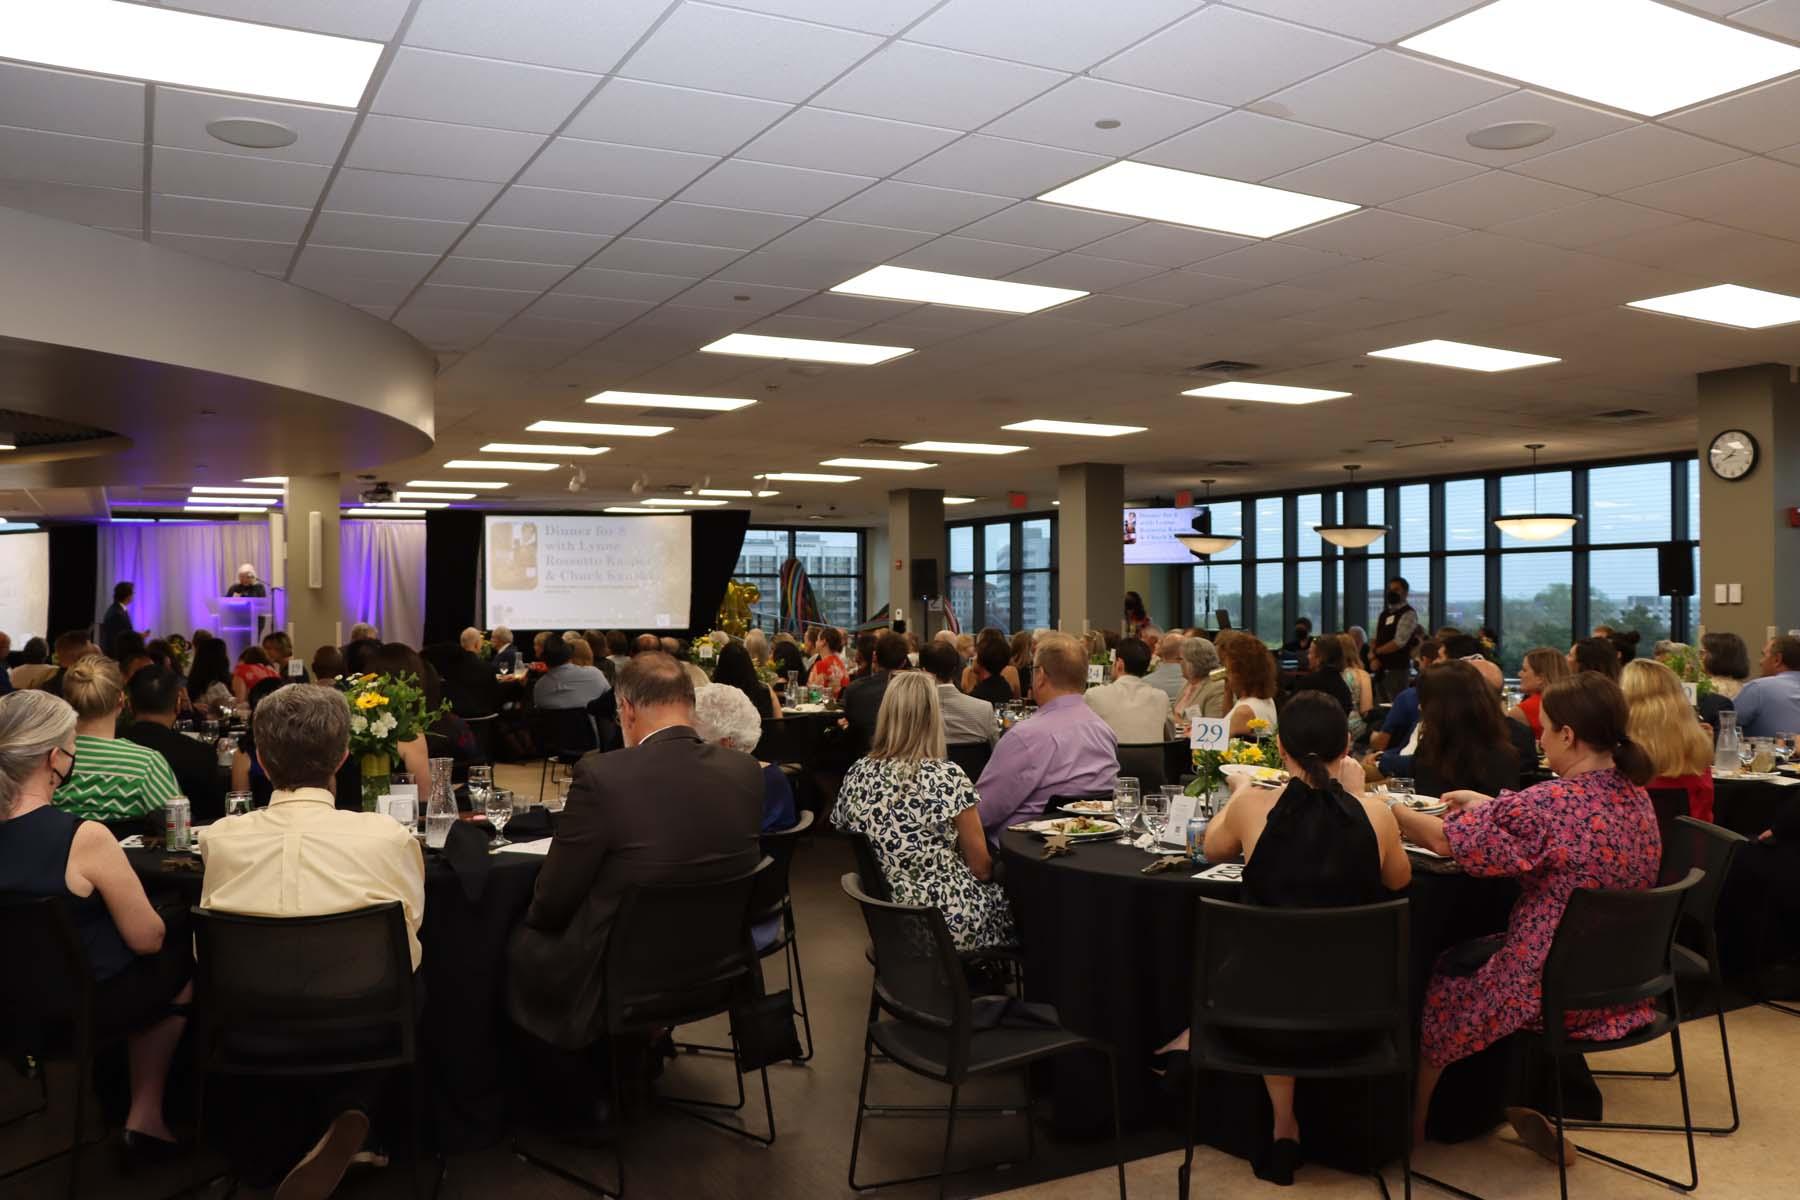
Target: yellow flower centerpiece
{"type": "Point", "coordinates": [385, 710]}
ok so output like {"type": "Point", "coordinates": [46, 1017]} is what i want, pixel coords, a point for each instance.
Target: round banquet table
{"type": "Point", "coordinates": [1749, 806]}
{"type": "Point", "coordinates": [1112, 949]}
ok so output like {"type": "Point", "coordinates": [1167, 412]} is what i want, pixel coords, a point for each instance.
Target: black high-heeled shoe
{"type": "Point", "coordinates": [1276, 1164]}
{"type": "Point", "coordinates": [143, 1150]}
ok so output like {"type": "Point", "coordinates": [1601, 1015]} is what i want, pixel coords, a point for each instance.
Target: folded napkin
{"type": "Point", "coordinates": [466, 850]}
{"type": "Point", "coordinates": [531, 823]}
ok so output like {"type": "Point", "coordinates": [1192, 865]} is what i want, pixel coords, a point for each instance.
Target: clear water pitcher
{"type": "Point", "coordinates": [1725, 750]}
{"type": "Point", "coordinates": [440, 804]}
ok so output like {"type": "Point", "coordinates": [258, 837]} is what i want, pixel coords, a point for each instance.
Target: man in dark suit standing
{"type": "Point", "coordinates": [668, 808]}
{"type": "Point", "coordinates": [117, 619]}
{"type": "Point", "coordinates": [862, 697]}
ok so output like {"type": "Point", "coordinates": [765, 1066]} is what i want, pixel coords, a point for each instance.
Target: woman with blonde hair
{"type": "Point", "coordinates": [1663, 723]}
{"type": "Point", "coordinates": [1361, 686]}
{"type": "Point", "coordinates": [111, 779]}
{"type": "Point", "coordinates": [1541, 668]}
{"type": "Point", "coordinates": [918, 811]}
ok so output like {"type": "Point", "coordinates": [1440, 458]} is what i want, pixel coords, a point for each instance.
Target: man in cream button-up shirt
{"type": "Point", "coordinates": [1138, 711]}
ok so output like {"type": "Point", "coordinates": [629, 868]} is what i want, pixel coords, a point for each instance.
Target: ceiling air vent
{"type": "Point", "coordinates": [1221, 366]}
{"type": "Point", "coordinates": [1623, 414]}
{"type": "Point", "coordinates": [1226, 464]}
{"type": "Point", "coordinates": [885, 443]}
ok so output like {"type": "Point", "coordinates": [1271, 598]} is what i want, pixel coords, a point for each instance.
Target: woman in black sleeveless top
{"type": "Point", "coordinates": [47, 852]}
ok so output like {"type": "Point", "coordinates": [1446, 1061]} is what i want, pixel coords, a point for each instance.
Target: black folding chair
{"type": "Point", "coordinates": [919, 983]}
{"type": "Point", "coordinates": [1671, 804]}
{"type": "Point", "coordinates": [1144, 762]}
{"type": "Point", "coordinates": [562, 735]}
{"type": "Point", "coordinates": [1612, 947]}
{"type": "Point", "coordinates": [678, 953]}
{"type": "Point", "coordinates": [307, 997]}
{"type": "Point", "coordinates": [972, 757]}
{"type": "Point", "coordinates": [1264, 973]}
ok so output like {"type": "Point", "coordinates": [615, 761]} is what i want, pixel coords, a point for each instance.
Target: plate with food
{"type": "Point", "coordinates": [1077, 829]}
{"type": "Point", "coordinates": [1087, 808]}
{"type": "Point", "coordinates": [1253, 773]}
{"type": "Point", "coordinates": [1429, 806]}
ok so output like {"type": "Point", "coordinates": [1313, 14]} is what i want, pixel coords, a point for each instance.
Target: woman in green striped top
{"type": "Point", "coordinates": [112, 780]}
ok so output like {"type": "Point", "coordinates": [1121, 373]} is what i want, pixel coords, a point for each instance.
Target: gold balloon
{"type": "Point", "coordinates": [734, 611]}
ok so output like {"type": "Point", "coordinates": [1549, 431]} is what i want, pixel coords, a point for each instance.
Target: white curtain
{"type": "Point", "coordinates": [382, 577]}
{"type": "Point", "coordinates": [180, 570]}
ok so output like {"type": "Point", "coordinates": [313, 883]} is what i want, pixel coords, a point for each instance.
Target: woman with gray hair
{"type": "Point", "coordinates": [724, 715]}
{"type": "Point", "coordinates": [45, 851]}
{"type": "Point", "coordinates": [1203, 694]}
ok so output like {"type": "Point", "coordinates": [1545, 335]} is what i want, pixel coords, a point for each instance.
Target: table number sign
{"type": "Point", "coordinates": [1691, 691]}
{"type": "Point", "coordinates": [1223, 873]}
{"type": "Point", "coordinates": [1209, 733]}
{"type": "Point", "coordinates": [1096, 673]}
{"type": "Point", "coordinates": [1182, 811]}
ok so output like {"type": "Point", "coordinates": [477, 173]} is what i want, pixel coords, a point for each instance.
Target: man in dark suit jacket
{"type": "Point", "coordinates": [862, 697]}
{"type": "Point", "coordinates": [155, 693]}
{"type": "Point", "coordinates": [668, 808]}
{"type": "Point", "coordinates": [469, 681]}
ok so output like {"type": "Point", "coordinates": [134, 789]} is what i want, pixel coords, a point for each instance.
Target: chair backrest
{"type": "Point", "coordinates": [47, 984]}
{"type": "Point", "coordinates": [972, 757]}
{"type": "Point", "coordinates": [680, 952]}
{"type": "Point", "coordinates": [305, 981]}
{"type": "Point", "coordinates": [1302, 969]}
{"type": "Point", "coordinates": [564, 732]}
{"type": "Point", "coordinates": [918, 977]}
{"type": "Point", "coordinates": [868, 867]}
{"type": "Point", "coordinates": [778, 846]}
{"type": "Point", "coordinates": [1144, 762]}
{"type": "Point", "coordinates": [1611, 948]}
{"type": "Point", "coordinates": [1692, 843]}
{"type": "Point", "coordinates": [1671, 804]}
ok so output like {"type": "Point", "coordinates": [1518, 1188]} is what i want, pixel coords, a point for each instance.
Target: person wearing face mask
{"type": "Point", "coordinates": [1066, 749]}
{"type": "Point", "coordinates": [1395, 635]}
{"type": "Point", "coordinates": [1299, 643]}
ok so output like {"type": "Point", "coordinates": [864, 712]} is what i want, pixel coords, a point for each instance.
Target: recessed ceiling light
{"type": "Point", "coordinates": [383, 513]}
{"type": "Point", "coordinates": [202, 489]}
{"type": "Point", "coordinates": [8, 442]}
{"type": "Point", "coordinates": [878, 464]}
{"type": "Point", "coordinates": [1267, 393]}
{"type": "Point", "coordinates": [682, 502]}
{"type": "Point", "coordinates": [959, 499]}
{"type": "Point", "coordinates": [1440, 353]}
{"type": "Point", "coordinates": [1078, 428]}
{"type": "Point", "coordinates": [484, 485]}
{"type": "Point", "coordinates": [1202, 201]}
{"type": "Point", "coordinates": [1510, 135]}
{"type": "Point", "coordinates": [962, 448]}
{"type": "Point", "coordinates": [496, 464]}
{"type": "Point", "coordinates": [738, 493]}
{"type": "Point", "coordinates": [398, 503]}
{"type": "Point", "coordinates": [599, 428]}
{"type": "Point", "coordinates": [961, 291]}
{"type": "Point", "coordinates": [225, 508]}
{"type": "Point", "coordinates": [1643, 57]}
{"type": "Point", "coordinates": [809, 477]}
{"type": "Point", "coordinates": [267, 479]}
{"type": "Point", "coordinates": [252, 133]}
{"type": "Point", "coordinates": [664, 400]}
{"type": "Point", "coordinates": [260, 501]}
{"type": "Point", "coordinates": [1727, 304]}
{"type": "Point", "coordinates": [19, 526]}
{"type": "Point", "coordinates": [537, 448]}
{"type": "Point", "coordinates": [640, 512]}
{"type": "Point", "coordinates": [762, 345]}
{"type": "Point", "coordinates": [165, 46]}
{"type": "Point", "coordinates": [1106, 123]}
{"type": "Point", "coordinates": [405, 496]}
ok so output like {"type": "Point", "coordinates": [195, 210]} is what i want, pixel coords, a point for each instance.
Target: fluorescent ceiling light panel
{"type": "Point", "coordinates": [7, 443]}
{"type": "Point", "coordinates": [17, 526]}
{"type": "Point", "coordinates": [267, 479]}
{"type": "Point", "coordinates": [403, 497]}
{"type": "Point", "coordinates": [260, 501]}
{"type": "Point", "coordinates": [485, 485]}
{"type": "Point", "coordinates": [384, 513]}
{"type": "Point", "coordinates": [1643, 57]}
{"type": "Point", "coordinates": [1076, 428]}
{"type": "Point", "coordinates": [225, 508]}
{"type": "Point", "coordinates": [538, 448]}
{"type": "Point", "coordinates": [736, 493]}
{"type": "Point", "coordinates": [406, 504]}
{"type": "Point", "coordinates": [624, 509]}
{"type": "Point", "coordinates": [762, 345]}
{"type": "Point", "coordinates": [1439, 353]}
{"type": "Point", "coordinates": [497, 464]}
{"type": "Point", "coordinates": [598, 429]}
{"type": "Point", "coordinates": [962, 448]}
{"type": "Point", "coordinates": [666, 400]}
{"type": "Point", "coordinates": [1267, 393]}
{"type": "Point", "coordinates": [1727, 304]}
{"type": "Point", "coordinates": [201, 489]}
{"type": "Point", "coordinates": [959, 499]}
{"type": "Point", "coordinates": [878, 464]}
{"type": "Point", "coordinates": [1136, 189]}
{"type": "Point", "coordinates": [164, 46]}
{"type": "Point", "coordinates": [960, 291]}
{"type": "Point", "coordinates": [680, 502]}
{"type": "Point", "coordinates": [809, 477]}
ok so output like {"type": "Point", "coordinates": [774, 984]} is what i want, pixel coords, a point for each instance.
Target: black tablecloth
{"type": "Point", "coordinates": [1748, 806]}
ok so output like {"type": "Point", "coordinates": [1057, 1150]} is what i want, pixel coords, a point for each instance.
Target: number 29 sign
{"type": "Point", "coordinates": [1208, 733]}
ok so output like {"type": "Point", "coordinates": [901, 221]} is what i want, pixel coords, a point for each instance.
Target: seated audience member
{"type": "Point", "coordinates": [155, 695]}
{"type": "Point", "coordinates": [469, 682]}
{"type": "Point", "coordinates": [1467, 648]}
{"type": "Point", "coordinates": [788, 658]}
{"type": "Point", "coordinates": [674, 649]}
{"type": "Point", "coordinates": [1662, 723]}
{"type": "Point", "coordinates": [966, 719]}
{"type": "Point", "coordinates": [1726, 661]}
{"type": "Point", "coordinates": [247, 774]}
{"type": "Point", "coordinates": [566, 684]}
{"type": "Point", "coordinates": [756, 645]}
{"type": "Point", "coordinates": [302, 857]}
{"type": "Point", "coordinates": [862, 663]}
{"type": "Point", "coordinates": [71, 648]}
{"type": "Point", "coordinates": [618, 648]}
{"type": "Point", "coordinates": [327, 664]}
{"type": "Point", "coordinates": [965, 647]}
{"type": "Point", "coordinates": [862, 697]}
{"type": "Point", "coordinates": [400, 660]}
{"type": "Point", "coordinates": [1022, 647]}
{"type": "Point", "coordinates": [5, 654]}
{"type": "Point", "coordinates": [646, 643]}
{"type": "Point", "coordinates": [1595, 654]}
{"type": "Point", "coordinates": [1591, 827]}
{"type": "Point", "coordinates": [1166, 673]}
{"type": "Point", "coordinates": [1137, 710]}
{"type": "Point", "coordinates": [828, 670]}
{"type": "Point", "coordinates": [1465, 742]}
{"type": "Point", "coordinates": [111, 780]}
{"type": "Point", "coordinates": [362, 631]}
{"type": "Point", "coordinates": [1770, 705]}
{"type": "Point", "coordinates": [1250, 686]}
{"type": "Point", "coordinates": [703, 826]}
{"type": "Point", "coordinates": [724, 716]}
{"type": "Point", "coordinates": [1066, 749]}
{"type": "Point", "coordinates": [252, 668]}
{"type": "Point", "coordinates": [1538, 670]}
{"type": "Point", "coordinates": [1625, 643]}
{"type": "Point", "coordinates": [209, 679]}
{"type": "Point", "coordinates": [922, 818]}
{"type": "Point", "coordinates": [506, 658]}
{"type": "Point", "coordinates": [1399, 731]}
{"type": "Point", "coordinates": [987, 679]}
{"type": "Point", "coordinates": [1318, 843]}
{"type": "Point", "coordinates": [734, 667]}
{"type": "Point", "coordinates": [1325, 670]}
{"type": "Point", "coordinates": [35, 666]}
{"type": "Point", "coordinates": [1203, 686]}
{"type": "Point", "coordinates": [358, 654]}
{"type": "Point", "coordinates": [279, 648]}
{"type": "Point", "coordinates": [47, 851]}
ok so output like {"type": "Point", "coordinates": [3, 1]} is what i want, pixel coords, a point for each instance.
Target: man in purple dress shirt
{"type": "Point", "coordinates": [1065, 749]}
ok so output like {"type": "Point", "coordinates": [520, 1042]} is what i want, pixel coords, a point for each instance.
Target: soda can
{"type": "Point", "coordinates": [177, 830]}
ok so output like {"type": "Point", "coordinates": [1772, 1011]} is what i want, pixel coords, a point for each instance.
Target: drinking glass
{"type": "Point", "coordinates": [481, 786]}
{"type": "Point", "coordinates": [499, 809]}
{"type": "Point", "coordinates": [1156, 814]}
{"type": "Point", "coordinates": [1746, 753]}
{"type": "Point", "coordinates": [559, 798]}
{"type": "Point", "coordinates": [1125, 803]}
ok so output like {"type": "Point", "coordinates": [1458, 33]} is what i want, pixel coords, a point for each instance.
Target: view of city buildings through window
{"type": "Point", "coordinates": [833, 559]}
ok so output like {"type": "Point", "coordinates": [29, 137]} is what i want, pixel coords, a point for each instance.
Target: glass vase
{"type": "Point", "coordinates": [376, 769]}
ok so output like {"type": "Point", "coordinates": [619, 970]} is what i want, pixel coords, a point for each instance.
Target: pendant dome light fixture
{"type": "Point", "coordinates": [1351, 537]}
{"type": "Point", "coordinates": [1535, 526]}
{"type": "Point", "coordinates": [1201, 543]}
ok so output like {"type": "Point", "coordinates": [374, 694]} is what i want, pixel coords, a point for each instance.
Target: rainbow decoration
{"type": "Point", "coordinates": [799, 606]}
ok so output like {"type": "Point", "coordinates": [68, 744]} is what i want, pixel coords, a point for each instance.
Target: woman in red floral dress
{"type": "Point", "coordinates": [1591, 827]}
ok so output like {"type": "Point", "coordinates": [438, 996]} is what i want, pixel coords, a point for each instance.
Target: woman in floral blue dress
{"type": "Point", "coordinates": [1591, 827]}
{"type": "Point", "coordinates": [918, 811]}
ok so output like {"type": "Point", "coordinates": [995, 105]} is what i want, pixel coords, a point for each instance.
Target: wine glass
{"type": "Point", "coordinates": [1125, 803]}
{"type": "Point", "coordinates": [499, 809]}
{"type": "Point", "coordinates": [1156, 815]}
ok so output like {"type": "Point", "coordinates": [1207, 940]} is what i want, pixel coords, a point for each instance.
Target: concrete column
{"type": "Point", "coordinates": [1745, 539]}
{"type": "Point", "coordinates": [1090, 546]}
{"type": "Point", "coordinates": [313, 597]}
{"type": "Point", "coordinates": [915, 534]}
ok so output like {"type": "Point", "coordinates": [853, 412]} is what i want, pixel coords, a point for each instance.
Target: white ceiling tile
{"type": "Point", "coordinates": [1052, 226]}
{"type": "Point", "coordinates": [110, 208]}
{"type": "Point", "coordinates": [182, 117]}
{"type": "Point", "coordinates": [787, 324]}
{"type": "Point", "coordinates": [913, 206]}
{"type": "Point", "coordinates": [1369, 278]}
{"type": "Point", "coordinates": [859, 310]}
{"type": "Point", "coordinates": [971, 256]}
{"type": "Point", "coordinates": [846, 241]}
{"type": "Point", "coordinates": [463, 90]}
{"type": "Point", "coordinates": [1574, 123]}
{"type": "Point", "coordinates": [1111, 310]}
{"type": "Point", "coordinates": [1184, 287]}
{"type": "Point", "coordinates": [872, 16]}
{"type": "Point", "coordinates": [1267, 303]}
{"type": "Point", "coordinates": [388, 193]}
{"type": "Point", "coordinates": [1371, 20]}
{"type": "Point", "coordinates": [1375, 173]}
{"type": "Point", "coordinates": [431, 148]}
{"type": "Point", "coordinates": [572, 34]}
{"type": "Point", "coordinates": [601, 283]}
{"type": "Point", "coordinates": [1384, 92]}
{"type": "Point", "coordinates": [1065, 116]}
{"type": "Point", "coordinates": [384, 233]}
{"type": "Point", "coordinates": [745, 298]}
{"type": "Point", "coordinates": [674, 258]}
{"type": "Point", "coordinates": [1069, 35]}
{"type": "Point", "coordinates": [448, 328]}
{"type": "Point", "coordinates": [518, 244]}
{"type": "Point", "coordinates": [373, 20]}
{"type": "Point", "coordinates": [836, 141]}
{"type": "Point", "coordinates": [465, 271]}
{"type": "Point", "coordinates": [1779, 17]}
{"type": "Point", "coordinates": [545, 330]}
{"type": "Point", "coordinates": [597, 310]}
{"type": "Point", "coordinates": [1761, 119]}
{"type": "Point", "coordinates": [238, 252]}
{"type": "Point", "coordinates": [909, 82]}
{"type": "Point", "coordinates": [323, 262]}
{"type": "Point", "coordinates": [236, 177]}
{"type": "Point", "coordinates": [1703, 248]}
{"type": "Point", "coordinates": [1752, 193]}
{"type": "Point", "coordinates": [793, 270]}
{"type": "Point", "coordinates": [574, 212]}
{"type": "Point", "coordinates": [764, 187]}
{"type": "Point", "coordinates": [67, 158]}
{"type": "Point", "coordinates": [1249, 146]}
{"type": "Point", "coordinates": [64, 102]}
{"type": "Point", "coordinates": [351, 289]}
{"type": "Point", "coordinates": [632, 113]}
{"type": "Point", "coordinates": [710, 225]}
{"type": "Point", "coordinates": [746, 54]}
{"type": "Point", "coordinates": [471, 299]}
{"type": "Point", "coordinates": [1165, 245]}
{"type": "Point", "coordinates": [1228, 56]}
{"type": "Point", "coordinates": [1085, 272]}
{"type": "Point", "coordinates": [1598, 220]}
{"type": "Point", "coordinates": [1372, 232]}
{"type": "Point", "coordinates": [1272, 262]}
{"type": "Point", "coordinates": [1488, 199]}
{"type": "Point", "coordinates": [226, 218]}
{"type": "Point", "coordinates": [1001, 167]}
{"type": "Point", "coordinates": [582, 166]}
{"type": "Point", "coordinates": [1632, 157]}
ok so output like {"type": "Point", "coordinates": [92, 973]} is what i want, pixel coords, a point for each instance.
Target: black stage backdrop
{"type": "Point", "coordinates": [453, 574]}
{"type": "Point", "coordinates": [74, 578]}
